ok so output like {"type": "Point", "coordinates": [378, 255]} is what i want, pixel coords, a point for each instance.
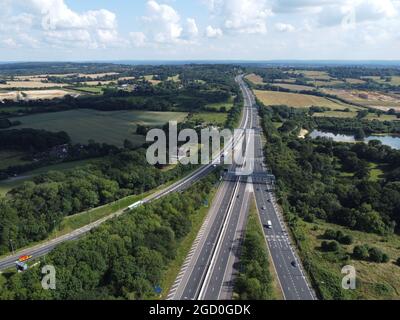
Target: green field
{"type": "Point", "coordinates": [104, 127]}
{"type": "Point", "coordinates": [210, 118]}
{"type": "Point", "coordinates": [11, 158]}
{"type": "Point", "coordinates": [336, 114]}
{"type": "Point", "coordinates": [91, 89]}
{"type": "Point", "coordinates": [395, 80]}
{"type": "Point", "coordinates": [255, 79]}
{"type": "Point", "coordinates": [297, 100]}
{"type": "Point", "coordinates": [218, 106]}
{"type": "Point", "coordinates": [374, 280]}
{"type": "Point", "coordinates": [7, 185]}
{"type": "Point", "coordinates": [175, 78]}
{"type": "Point", "coordinates": [314, 74]}
{"type": "Point", "coordinates": [294, 87]}
{"type": "Point", "coordinates": [383, 117]}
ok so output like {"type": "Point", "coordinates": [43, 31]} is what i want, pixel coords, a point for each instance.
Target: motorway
{"type": "Point", "coordinates": [209, 271]}
{"type": "Point", "coordinates": [288, 267]}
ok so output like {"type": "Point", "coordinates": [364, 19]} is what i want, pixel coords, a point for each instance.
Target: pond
{"type": "Point", "coordinates": [388, 140]}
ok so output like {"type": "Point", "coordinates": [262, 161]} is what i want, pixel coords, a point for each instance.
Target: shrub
{"type": "Point", "coordinates": [347, 239]}
{"type": "Point", "coordinates": [361, 252]}
{"type": "Point", "coordinates": [329, 234]}
{"type": "Point", "coordinates": [338, 236]}
{"type": "Point", "coordinates": [377, 255]}
{"type": "Point", "coordinates": [331, 246]}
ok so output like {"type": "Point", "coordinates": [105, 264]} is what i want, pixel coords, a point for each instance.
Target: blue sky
{"type": "Point", "coordinates": [199, 29]}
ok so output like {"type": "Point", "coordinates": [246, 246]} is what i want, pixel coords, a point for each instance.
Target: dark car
{"type": "Point", "coordinates": [294, 264]}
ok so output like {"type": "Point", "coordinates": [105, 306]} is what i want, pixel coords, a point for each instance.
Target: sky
{"type": "Point", "coordinates": [76, 30]}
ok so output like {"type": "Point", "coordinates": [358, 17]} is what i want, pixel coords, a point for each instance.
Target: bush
{"type": "Point", "coordinates": [373, 254]}
{"type": "Point", "coordinates": [398, 262]}
{"type": "Point", "coordinates": [331, 246]}
{"type": "Point", "coordinates": [377, 255]}
{"type": "Point", "coordinates": [361, 252]}
{"type": "Point", "coordinates": [329, 234]}
{"type": "Point", "coordinates": [338, 236]}
{"type": "Point", "coordinates": [347, 239]}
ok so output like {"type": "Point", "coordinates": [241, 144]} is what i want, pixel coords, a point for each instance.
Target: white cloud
{"type": "Point", "coordinates": [163, 25]}
{"type": "Point", "coordinates": [241, 16]}
{"type": "Point", "coordinates": [190, 30]}
{"type": "Point", "coordinates": [334, 12]}
{"type": "Point", "coordinates": [163, 22]}
{"type": "Point", "coordinates": [213, 32]}
{"type": "Point", "coordinates": [284, 27]}
{"type": "Point", "coordinates": [53, 21]}
{"type": "Point", "coordinates": [9, 43]}
{"type": "Point", "coordinates": [138, 39]}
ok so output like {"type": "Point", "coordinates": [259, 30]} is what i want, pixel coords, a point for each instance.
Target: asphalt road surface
{"type": "Point", "coordinates": [288, 266]}
{"type": "Point", "coordinates": [209, 270]}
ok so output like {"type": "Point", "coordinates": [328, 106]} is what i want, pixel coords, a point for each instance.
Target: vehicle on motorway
{"type": "Point", "coordinates": [24, 258]}
{"type": "Point", "coordinates": [264, 208]}
{"type": "Point", "coordinates": [21, 266]}
{"type": "Point", "coordinates": [269, 224]}
{"type": "Point", "coordinates": [135, 205]}
{"type": "Point", "coordinates": [294, 264]}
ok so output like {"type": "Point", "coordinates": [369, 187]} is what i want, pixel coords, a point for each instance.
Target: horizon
{"type": "Point", "coordinates": [260, 30]}
{"type": "Point", "coordinates": [380, 62]}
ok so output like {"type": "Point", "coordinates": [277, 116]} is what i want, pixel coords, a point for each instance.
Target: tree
{"type": "Point", "coordinates": [331, 246]}
{"type": "Point", "coordinates": [346, 239]}
{"type": "Point", "coordinates": [128, 144]}
{"type": "Point", "coordinates": [377, 255]}
{"type": "Point", "coordinates": [360, 252]}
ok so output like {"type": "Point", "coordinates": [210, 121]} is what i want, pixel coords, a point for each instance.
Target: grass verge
{"type": "Point", "coordinates": [255, 280]}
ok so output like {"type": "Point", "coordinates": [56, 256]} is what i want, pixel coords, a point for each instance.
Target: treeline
{"type": "Point", "coordinates": [31, 211]}
{"type": "Point", "coordinates": [360, 71]}
{"type": "Point", "coordinates": [6, 123]}
{"type": "Point", "coordinates": [39, 68]}
{"type": "Point", "coordinates": [145, 97]}
{"type": "Point", "coordinates": [349, 125]}
{"type": "Point", "coordinates": [311, 183]}
{"type": "Point", "coordinates": [73, 153]}
{"type": "Point", "coordinates": [31, 139]}
{"type": "Point", "coordinates": [235, 113]}
{"type": "Point", "coordinates": [125, 258]}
